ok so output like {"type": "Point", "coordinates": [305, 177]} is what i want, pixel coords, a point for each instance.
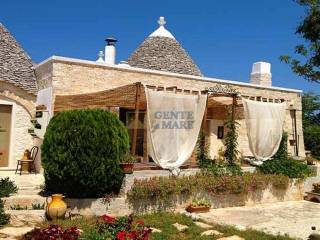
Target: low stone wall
{"type": "Point", "coordinates": [294, 192]}
{"type": "Point", "coordinates": [120, 206]}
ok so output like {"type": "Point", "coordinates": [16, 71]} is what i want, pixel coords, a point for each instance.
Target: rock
{"type": "Point", "coordinates": [193, 216]}
{"type": "Point", "coordinates": [2, 235]}
{"type": "Point", "coordinates": [155, 230]}
{"type": "Point", "coordinates": [211, 232]}
{"type": "Point", "coordinates": [180, 227]}
{"type": "Point", "coordinates": [203, 225]}
{"type": "Point", "coordinates": [15, 231]}
{"type": "Point", "coordinates": [234, 237]}
{"type": "Point", "coordinates": [73, 216]}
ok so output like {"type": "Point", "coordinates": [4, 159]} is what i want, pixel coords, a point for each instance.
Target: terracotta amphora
{"type": "Point", "coordinates": [57, 208]}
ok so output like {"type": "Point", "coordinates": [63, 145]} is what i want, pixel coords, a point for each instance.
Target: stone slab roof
{"type": "Point", "coordinates": [164, 54]}
{"type": "Point", "coordinates": [16, 66]}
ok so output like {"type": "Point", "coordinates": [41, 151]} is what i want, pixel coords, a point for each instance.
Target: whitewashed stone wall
{"type": "Point", "coordinates": [22, 139]}
{"type": "Point", "coordinates": [23, 108]}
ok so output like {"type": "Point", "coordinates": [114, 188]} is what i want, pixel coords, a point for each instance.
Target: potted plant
{"type": "Point", "coordinates": [127, 163]}
{"type": "Point", "coordinates": [316, 187]}
{"type": "Point", "coordinates": [199, 205]}
{"type": "Point", "coordinates": [314, 195]}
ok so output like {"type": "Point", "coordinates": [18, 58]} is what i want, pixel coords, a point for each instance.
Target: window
{"type": "Point", "coordinates": [220, 132]}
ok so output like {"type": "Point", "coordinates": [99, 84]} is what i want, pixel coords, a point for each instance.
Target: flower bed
{"type": "Point", "coordinates": [106, 227]}
{"type": "Point", "coordinates": [160, 223]}
{"type": "Point", "coordinates": [163, 187]}
{"type": "Point", "coordinates": [164, 193]}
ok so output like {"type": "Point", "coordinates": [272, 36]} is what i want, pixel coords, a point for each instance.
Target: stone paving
{"type": "Point", "coordinates": [292, 218]}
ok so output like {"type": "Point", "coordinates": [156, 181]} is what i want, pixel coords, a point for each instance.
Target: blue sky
{"type": "Point", "coordinates": [224, 38]}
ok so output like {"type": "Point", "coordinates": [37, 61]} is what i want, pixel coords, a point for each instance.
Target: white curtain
{"type": "Point", "coordinates": [264, 123]}
{"type": "Point", "coordinates": [173, 125]}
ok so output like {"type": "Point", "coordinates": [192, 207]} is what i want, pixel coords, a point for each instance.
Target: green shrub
{"type": "Point", "coordinates": [289, 167]}
{"type": "Point", "coordinates": [200, 203]}
{"type": "Point", "coordinates": [4, 218]}
{"type": "Point", "coordinates": [281, 163]}
{"type": "Point", "coordinates": [221, 169]}
{"type": "Point", "coordinates": [81, 153]}
{"type": "Point", "coordinates": [312, 139]}
{"type": "Point", "coordinates": [7, 187]}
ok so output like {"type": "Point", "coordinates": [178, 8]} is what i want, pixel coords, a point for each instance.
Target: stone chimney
{"type": "Point", "coordinates": [261, 74]}
{"type": "Point", "coordinates": [110, 51]}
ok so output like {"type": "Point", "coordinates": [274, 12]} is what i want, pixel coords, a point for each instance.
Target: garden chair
{"type": "Point", "coordinates": [33, 154]}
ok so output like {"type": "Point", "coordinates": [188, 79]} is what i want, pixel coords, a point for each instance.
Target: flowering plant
{"type": "Point", "coordinates": [123, 228]}
{"type": "Point", "coordinates": [53, 232]}
{"type": "Point", "coordinates": [200, 203]}
{"type": "Point", "coordinates": [316, 187]}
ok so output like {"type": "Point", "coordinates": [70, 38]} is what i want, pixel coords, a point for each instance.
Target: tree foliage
{"type": "Point", "coordinates": [81, 153]}
{"type": "Point", "coordinates": [308, 63]}
{"type": "Point", "coordinates": [311, 122]}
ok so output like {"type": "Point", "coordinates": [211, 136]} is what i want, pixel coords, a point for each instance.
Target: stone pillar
{"type": "Point", "coordinates": [261, 74]}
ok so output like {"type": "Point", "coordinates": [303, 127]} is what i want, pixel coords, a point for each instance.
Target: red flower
{"type": "Point", "coordinates": [121, 235]}
{"type": "Point", "coordinates": [140, 222]}
{"type": "Point", "coordinates": [132, 235]}
{"type": "Point", "coordinates": [108, 219]}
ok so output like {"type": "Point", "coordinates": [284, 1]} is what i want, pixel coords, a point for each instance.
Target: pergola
{"type": "Point", "coordinates": [133, 97]}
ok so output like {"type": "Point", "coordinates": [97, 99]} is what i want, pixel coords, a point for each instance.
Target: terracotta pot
{"type": "Point", "coordinates": [127, 168]}
{"type": "Point", "coordinates": [199, 209]}
{"type": "Point", "coordinates": [57, 208]}
{"type": "Point", "coordinates": [26, 156]}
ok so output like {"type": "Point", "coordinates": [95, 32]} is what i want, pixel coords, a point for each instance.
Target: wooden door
{"type": "Point", "coordinates": [5, 132]}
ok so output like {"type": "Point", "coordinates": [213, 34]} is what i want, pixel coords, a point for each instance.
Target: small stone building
{"type": "Point", "coordinates": [17, 100]}
{"type": "Point", "coordinates": [161, 61]}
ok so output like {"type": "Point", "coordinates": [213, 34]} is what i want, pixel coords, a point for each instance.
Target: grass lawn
{"type": "Point", "coordinates": [164, 221]}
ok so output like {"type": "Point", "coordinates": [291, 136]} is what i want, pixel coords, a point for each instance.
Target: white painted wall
{"type": "Point", "coordinates": [20, 139]}
{"type": "Point", "coordinates": [215, 143]}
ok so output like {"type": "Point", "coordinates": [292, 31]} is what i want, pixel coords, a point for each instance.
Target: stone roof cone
{"type": "Point", "coordinates": [16, 66]}
{"type": "Point", "coordinates": [161, 51]}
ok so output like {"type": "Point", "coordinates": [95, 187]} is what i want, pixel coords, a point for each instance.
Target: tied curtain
{"type": "Point", "coordinates": [264, 123]}
{"type": "Point", "coordinates": [173, 125]}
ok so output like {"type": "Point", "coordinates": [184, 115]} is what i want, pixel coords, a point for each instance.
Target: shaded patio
{"type": "Point", "coordinates": [130, 103]}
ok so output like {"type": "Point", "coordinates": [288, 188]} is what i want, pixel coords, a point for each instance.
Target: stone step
{"type": "Point", "coordinates": [23, 201]}
{"type": "Point", "coordinates": [20, 218]}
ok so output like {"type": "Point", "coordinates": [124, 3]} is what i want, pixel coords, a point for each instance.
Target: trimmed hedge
{"type": "Point", "coordinates": [81, 153]}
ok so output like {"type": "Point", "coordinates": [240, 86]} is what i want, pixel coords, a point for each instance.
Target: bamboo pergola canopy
{"type": "Point", "coordinates": [126, 97]}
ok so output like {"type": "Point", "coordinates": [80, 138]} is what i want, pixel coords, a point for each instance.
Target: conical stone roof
{"type": "Point", "coordinates": [15, 65]}
{"type": "Point", "coordinates": [161, 51]}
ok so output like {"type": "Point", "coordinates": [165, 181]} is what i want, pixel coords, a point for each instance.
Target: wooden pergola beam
{"type": "Point", "coordinates": [234, 103]}
{"type": "Point", "coordinates": [136, 119]}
